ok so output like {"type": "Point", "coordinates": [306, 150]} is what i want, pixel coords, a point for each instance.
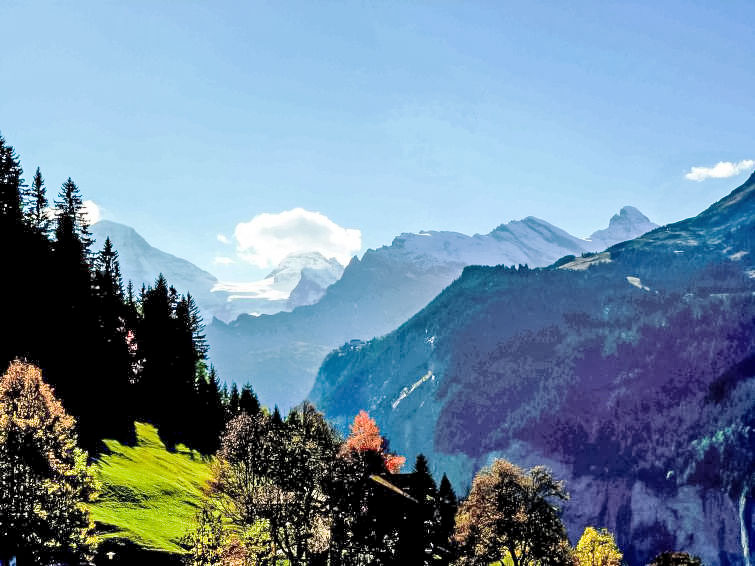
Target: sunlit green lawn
{"type": "Point", "coordinates": [148, 494]}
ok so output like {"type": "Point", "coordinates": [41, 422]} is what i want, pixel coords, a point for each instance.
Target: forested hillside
{"type": "Point", "coordinates": [629, 371]}
{"type": "Point", "coordinates": [113, 353]}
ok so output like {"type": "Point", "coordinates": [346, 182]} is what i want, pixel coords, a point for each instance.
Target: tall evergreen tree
{"type": "Point", "coordinates": [215, 410]}
{"type": "Point", "coordinates": [36, 207]}
{"type": "Point", "coordinates": [11, 184]}
{"type": "Point", "coordinates": [72, 227]}
{"type": "Point", "coordinates": [74, 322]}
{"type": "Point", "coordinates": [116, 419]}
{"type": "Point", "coordinates": [209, 405]}
{"type": "Point", "coordinates": [108, 280]}
{"type": "Point", "coordinates": [234, 401]}
{"type": "Point", "coordinates": [248, 401]}
{"type": "Point", "coordinates": [197, 328]}
{"type": "Point", "coordinates": [173, 380]}
{"type": "Point", "coordinates": [447, 506]}
{"type": "Point", "coordinates": [418, 535]}
{"type": "Point", "coordinates": [14, 246]}
{"type": "Point", "coordinates": [157, 342]}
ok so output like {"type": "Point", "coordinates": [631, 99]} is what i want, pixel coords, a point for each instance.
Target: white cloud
{"type": "Point", "coordinates": [720, 170]}
{"type": "Point", "coordinates": [223, 260]}
{"type": "Point", "coordinates": [92, 211]}
{"type": "Point", "coordinates": [267, 238]}
{"type": "Point", "coordinates": [223, 239]}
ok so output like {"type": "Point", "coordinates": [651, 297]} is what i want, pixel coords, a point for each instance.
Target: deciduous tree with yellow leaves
{"type": "Point", "coordinates": [597, 548]}
{"type": "Point", "coordinates": [44, 478]}
{"type": "Point", "coordinates": [510, 517]}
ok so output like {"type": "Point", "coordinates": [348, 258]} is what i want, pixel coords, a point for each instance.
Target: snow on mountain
{"type": "Point", "coordinates": [330, 305]}
{"type": "Point", "coordinates": [320, 270]}
{"type": "Point", "coordinates": [142, 263]}
{"type": "Point", "coordinates": [626, 225]}
{"type": "Point", "coordinates": [310, 268]}
{"type": "Point", "coordinates": [313, 283]}
{"type": "Point", "coordinates": [530, 241]}
{"type": "Point", "coordinates": [281, 353]}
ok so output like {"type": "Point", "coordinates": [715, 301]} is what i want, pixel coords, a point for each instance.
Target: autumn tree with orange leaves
{"type": "Point", "coordinates": [365, 437]}
{"type": "Point", "coordinates": [364, 528]}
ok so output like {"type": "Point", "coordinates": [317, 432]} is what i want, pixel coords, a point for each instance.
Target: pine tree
{"type": "Point", "coordinates": [15, 247]}
{"type": "Point", "coordinates": [197, 328]}
{"type": "Point", "coordinates": [72, 226]}
{"type": "Point", "coordinates": [71, 246]}
{"type": "Point", "coordinates": [276, 421]}
{"type": "Point", "coordinates": [216, 413]}
{"type": "Point", "coordinates": [156, 339]}
{"type": "Point", "coordinates": [74, 325]}
{"type": "Point", "coordinates": [447, 506]}
{"type": "Point", "coordinates": [172, 353]}
{"type": "Point", "coordinates": [234, 401]}
{"type": "Point", "coordinates": [248, 401]}
{"type": "Point", "coordinates": [423, 478]}
{"type": "Point", "coordinates": [108, 273]}
{"type": "Point", "coordinates": [132, 307]}
{"type": "Point", "coordinates": [54, 330]}
{"type": "Point", "coordinates": [11, 184]}
{"type": "Point", "coordinates": [36, 212]}
{"type": "Point", "coordinates": [421, 521]}
{"type": "Point", "coordinates": [113, 350]}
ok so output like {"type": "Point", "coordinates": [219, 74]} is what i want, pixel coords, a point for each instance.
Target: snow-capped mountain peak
{"type": "Point", "coordinates": [288, 272]}
{"type": "Point", "coordinates": [626, 225]}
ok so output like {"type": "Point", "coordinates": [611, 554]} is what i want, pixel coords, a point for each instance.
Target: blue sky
{"type": "Point", "coordinates": [185, 119]}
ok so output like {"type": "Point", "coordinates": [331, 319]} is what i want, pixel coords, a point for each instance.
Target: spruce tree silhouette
{"type": "Point", "coordinates": [248, 401]}
{"type": "Point", "coordinates": [36, 214]}
{"type": "Point", "coordinates": [112, 356]}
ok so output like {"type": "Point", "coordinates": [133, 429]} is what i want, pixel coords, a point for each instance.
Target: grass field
{"type": "Point", "coordinates": [149, 495]}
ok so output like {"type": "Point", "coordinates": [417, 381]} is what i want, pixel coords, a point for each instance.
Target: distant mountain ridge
{"type": "Point", "coordinates": [141, 263]}
{"type": "Point", "coordinates": [621, 227]}
{"type": "Point", "coordinates": [629, 372]}
{"type": "Point", "coordinates": [281, 353]}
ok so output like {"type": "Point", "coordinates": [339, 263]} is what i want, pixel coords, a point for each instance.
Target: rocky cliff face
{"type": "Point", "coordinates": [629, 372]}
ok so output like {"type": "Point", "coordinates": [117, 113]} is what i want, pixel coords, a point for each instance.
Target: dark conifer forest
{"type": "Point", "coordinates": [113, 354]}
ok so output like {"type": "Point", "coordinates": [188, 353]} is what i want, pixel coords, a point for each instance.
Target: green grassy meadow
{"type": "Point", "coordinates": [148, 494]}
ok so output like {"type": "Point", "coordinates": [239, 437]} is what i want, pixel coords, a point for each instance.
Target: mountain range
{"type": "Point", "coordinates": [629, 372]}
{"type": "Point", "coordinates": [300, 279]}
{"type": "Point", "coordinates": [281, 353]}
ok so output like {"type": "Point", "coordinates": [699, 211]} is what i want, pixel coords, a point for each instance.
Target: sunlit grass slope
{"type": "Point", "coordinates": [149, 495]}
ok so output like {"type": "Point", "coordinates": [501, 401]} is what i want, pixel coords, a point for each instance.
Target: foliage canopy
{"type": "Point", "coordinates": [44, 478]}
